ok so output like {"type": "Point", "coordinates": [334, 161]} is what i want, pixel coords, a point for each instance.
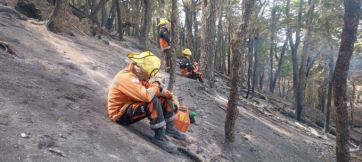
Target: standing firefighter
{"type": "Point", "coordinates": [165, 42]}
{"type": "Point", "coordinates": [132, 97]}
{"type": "Point", "coordinates": [188, 69]}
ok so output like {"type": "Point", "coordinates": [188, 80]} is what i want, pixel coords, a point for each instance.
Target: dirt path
{"type": "Point", "coordinates": [54, 91]}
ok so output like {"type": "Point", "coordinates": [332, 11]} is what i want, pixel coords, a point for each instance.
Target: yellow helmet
{"type": "Point", "coordinates": [147, 61]}
{"type": "Point", "coordinates": [187, 52]}
{"type": "Point", "coordinates": [163, 21]}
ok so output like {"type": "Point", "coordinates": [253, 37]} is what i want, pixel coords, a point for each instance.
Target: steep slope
{"type": "Point", "coordinates": [53, 108]}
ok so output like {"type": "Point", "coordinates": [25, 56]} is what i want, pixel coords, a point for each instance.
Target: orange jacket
{"type": "Point", "coordinates": [164, 44]}
{"type": "Point", "coordinates": [164, 39]}
{"type": "Point", "coordinates": [184, 71]}
{"type": "Point", "coordinates": [127, 89]}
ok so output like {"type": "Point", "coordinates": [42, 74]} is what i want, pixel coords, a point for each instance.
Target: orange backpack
{"type": "Point", "coordinates": [182, 119]}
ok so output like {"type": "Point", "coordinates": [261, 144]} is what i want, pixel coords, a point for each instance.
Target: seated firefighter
{"type": "Point", "coordinates": [132, 97]}
{"type": "Point", "coordinates": [188, 69]}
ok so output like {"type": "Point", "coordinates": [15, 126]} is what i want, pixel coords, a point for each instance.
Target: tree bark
{"type": "Point", "coordinates": [352, 98]}
{"type": "Point", "coordinates": [351, 18]}
{"type": "Point", "coordinates": [238, 40]}
{"type": "Point", "coordinates": [119, 20]}
{"type": "Point", "coordinates": [95, 10]}
{"type": "Point", "coordinates": [305, 54]}
{"type": "Point", "coordinates": [174, 44]}
{"type": "Point", "coordinates": [207, 60]}
{"type": "Point", "coordinates": [58, 18]}
{"type": "Point", "coordinates": [330, 79]}
{"type": "Point", "coordinates": [147, 17]}
{"type": "Point", "coordinates": [256, 62]}
{"type": "Point", "coordinates": [294, 48]}
{"type": "Point", "coordinates": [250, 60]}
{"type": "Point", "coordinates": [219, 44]}
{"type": "Point", "coordinates": [104, 15]}
{"type": "Point", "coordinates": [188, 25]}
{"type": "Point", "coordinates": [196, 41]}
{"type": "Point", "coordinates": [271, 50]}
{"type": "Point", "coordinates": [360, 144]}
{"type": "Point", "coordinates": [229, 50]}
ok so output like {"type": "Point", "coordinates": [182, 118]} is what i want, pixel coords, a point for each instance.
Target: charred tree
{"type": "Point", "coordinates": [351, 19]}
{"type": "Point", "coordinates": [119, 20]}
{"type": "Point", "coordinates": [58, 18]}
{"type": "Point", "coordinates": [196, 30]}
{"type": "Point", "coordinates": [147, 17]}
{"type": "Point", "coordinates": [188, 24]}
{"type": "Point", "coordinates": [238, 40]}
{"type": "Point", "coordinates": [207, 62]}
{"type": "Point", "coordinates": [294, 48]}
{"type": "Point", "coordinates": [352, 98]}
{"type": "Point", "coordinates": [174, 44]}
{"type": "Point", "coordinates": [330, 80]}
{"type": "Point", "coordinates": [303, 70]}
{"type": "Point", "coordinates": [256, 63]}
{"type": "Point", "coordinates": [272, 46]}
{"type": "Point", "coordinates": [96, 8]}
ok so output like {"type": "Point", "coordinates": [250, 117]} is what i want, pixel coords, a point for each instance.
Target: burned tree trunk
{"type": "Point", "coordinates": [147, 17]}
{"type": "Point", "coordinates": [96, 8]}
{"type": "Point", "coordinates": [208, 41]}
{"type": "Point", "coordinates": [303, 70]}
{"type": "Point", "coordinates": [238, 40]}
{"type": "Point", "coordinates": [174, 44]}
{"type": "Point", "coordinates": [294, 48]}
{"type": "Point", "coordinates": [58, 18]}
{"type": "Point", "coordinates": [271, 50]}
{"type": "Point", "coordinates": [351, 19]}
{"type": "Point", "coordinates": [119, 20]}
{"type": "Point", "coordinates": [188, 25]}
{"type": "Point", "coordinates": [256, 63]}
{"type": "Point", "coordinates": [219, 45]}
{"type": "Point", "coordinates": [196, 30]}
{"type": "Point", "coordinates": [330, 80]}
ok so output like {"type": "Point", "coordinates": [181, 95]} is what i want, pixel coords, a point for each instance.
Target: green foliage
{"type": "Point", "coordinates": [286, 70]}
{"type": "Point", "coordinates": [263, 52]}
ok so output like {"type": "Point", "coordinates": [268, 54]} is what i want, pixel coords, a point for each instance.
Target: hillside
{"type": "Point", "coordinates": [53, 108]}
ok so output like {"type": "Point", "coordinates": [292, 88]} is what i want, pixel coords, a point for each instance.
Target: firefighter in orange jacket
{"type": "Point", "coordinates": [164, 35]}
{"type": "Point", "coordinates": [188, 69]}
{"type": "Point", "coordinates": [133, 97]}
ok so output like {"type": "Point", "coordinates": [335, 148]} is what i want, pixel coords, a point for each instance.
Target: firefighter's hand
{"type": "Point", "coordinates": [175, 101]}
{"type": "Point", "coordinates": [167, 94]}
{"type": "Point", "coordinates": [156, 87]}
{"type": "Point", "coordinates": [160, 85]}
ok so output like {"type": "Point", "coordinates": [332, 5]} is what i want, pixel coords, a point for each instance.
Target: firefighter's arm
{"type": "Point", "coordinates": [138, 92]}
{"type": "Point", "coordinates": [163, 92]}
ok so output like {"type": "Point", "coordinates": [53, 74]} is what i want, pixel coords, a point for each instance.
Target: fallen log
{"type": "Point", "coordinates": [222, 75]}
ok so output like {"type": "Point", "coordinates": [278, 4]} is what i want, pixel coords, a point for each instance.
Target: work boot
{"type": "Point", "coordinates": [200, 79]}
{"type": "Point", "coordinates": [160, 140]}
{"type": "Point", "coordinates": [173, 132]}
